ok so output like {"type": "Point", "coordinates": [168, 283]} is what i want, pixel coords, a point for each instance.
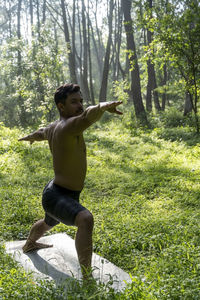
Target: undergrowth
{"type": "Point", "coordinates": [142, 187]}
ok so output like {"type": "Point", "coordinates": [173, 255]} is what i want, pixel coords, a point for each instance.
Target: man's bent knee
{"type": "Point", "coordinates": [84, 218]}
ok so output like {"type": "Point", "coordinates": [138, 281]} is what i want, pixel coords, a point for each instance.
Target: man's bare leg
{"type": "Point", "coordinates": [84, 222]}
{"type": "Point", "coordinates": [36, 232]}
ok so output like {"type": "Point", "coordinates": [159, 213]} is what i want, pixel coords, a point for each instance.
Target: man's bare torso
{"type": "Point", "coordinates": [65, 138]}
{"type": "Point", "coordinates": [69, 156]}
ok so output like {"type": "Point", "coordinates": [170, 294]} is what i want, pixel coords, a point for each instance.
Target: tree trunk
{"type": "Point", "coordinates": [151, 85]}
{"type": "Point", "coordinates": [164, 95]}
{"type": "Point", "coordinates": [135, 76]}
{"type": "Point", "coordinates": [71, 56]}
{"type": "Point", "coordinates": [73, 27]}
{"type": "Point", "coordinates": [116, 68]}
{"type": "Point", "coordinates": [86, 92]}
{"type": "Point", "coordinates": [44, 12]}
{"type": "Point", "coordinates": [31, 15]}
{"type": "Point", "coordinates": [89, 58]}
{"type": "Point", "coordinates": [119, 39]}
{"type": "Point", "coordinates": [104, 82]}
{"type": "Point", "coordinates": [101, 49]}
{"type": "Point", "coordinates": [96, 50]}
{"type": "Point", "coordinates": [81, 43]}
{"type": "Point", "coordinates": [188, 104]}
{"type": "Point", "coordinates": [22, 115]}
{"type": "Point", "coordinates": [9, 19]}
{"type": "Point", "coordinates": [38, 17]}
{"type": "Point", "coordinates": [155, 93]}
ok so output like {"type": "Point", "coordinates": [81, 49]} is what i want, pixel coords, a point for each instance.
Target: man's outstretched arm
{"type": "Point", "coordinates": [38, 135]}
{"type": "Point", "coordinates": [92, 114]}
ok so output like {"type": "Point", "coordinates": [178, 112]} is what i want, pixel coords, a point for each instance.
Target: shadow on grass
{"type": "Point", "coordinates": [173, 182]}
{"type": "Point", "coordinates": [151, 181]}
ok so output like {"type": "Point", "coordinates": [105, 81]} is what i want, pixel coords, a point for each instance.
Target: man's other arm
{"type": "Point", "coordinates": [38, 135]}
{"type": "Point", "coordinates": [76, 125]}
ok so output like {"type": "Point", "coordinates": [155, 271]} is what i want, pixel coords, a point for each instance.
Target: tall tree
{"type": "Point", "coordinates": [96, 49]}
{"type": "Point", "coordinates": [116, 45]}
{"type": "Point", "coordinates": [100, 44]}
{"type": "Point", "coordinates": [85, 87]}
{"type": "Point", "coordinates": [89, 56]}
{"type": "Point", "coordinates": [22, 114]}
{"type": "Point", "coordinates": [152, 84]}
{"type": "Point", "coordinates": [178, 32]}
{"type": "Point", "coordinates": [38, 17]}
{"type": "Point", "coordinates": [31, 15]}
{"type": "Point", "coordinates": [135, 75]}
{"type": "Point", "coordinates": [71, 55]}
{"type": "Point", "coordinates": [44, 12]}
{"type": "Point", "coordinates": [106, 66]}
{"type": "Point", "coordinates": [188, 103]}
{"type": "Point", "coordinates": [164, 83]}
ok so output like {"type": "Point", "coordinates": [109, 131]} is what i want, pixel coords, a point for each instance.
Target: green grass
{"type": "Point", "coordinates": [143, 189]}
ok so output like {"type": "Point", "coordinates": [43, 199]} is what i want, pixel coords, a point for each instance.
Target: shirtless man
{"type": "Point", "coordinates": [61, 195]}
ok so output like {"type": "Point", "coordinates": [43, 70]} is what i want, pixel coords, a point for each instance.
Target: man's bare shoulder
{"type": "Point", "coordinates": [62, 136]}
{"type": "Point", "coordinates": [50, 129]}
{"type": "Point", "coordinates": [53, 124]}
{"type": "Point", "coordinates": [64, 126]}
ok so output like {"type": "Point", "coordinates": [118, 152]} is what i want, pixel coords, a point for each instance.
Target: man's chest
{"type": "Point", "coordinates": [71, 146]}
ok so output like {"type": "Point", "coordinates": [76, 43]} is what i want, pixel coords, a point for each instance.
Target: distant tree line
{"type": "Point", "coordinates": [146, 52]}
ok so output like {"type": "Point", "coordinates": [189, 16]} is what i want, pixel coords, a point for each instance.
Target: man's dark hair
{"type": "Point", "coordinates": [63, 91]}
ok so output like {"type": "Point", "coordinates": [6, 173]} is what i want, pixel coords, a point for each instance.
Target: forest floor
{"type": "Point", "coordinates": [143, 188]}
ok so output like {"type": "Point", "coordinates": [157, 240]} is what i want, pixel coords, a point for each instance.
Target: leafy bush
{"type": "Point", "coordinates": [180, 134]}
{"type": "Point", "coordinates": [172, 117]}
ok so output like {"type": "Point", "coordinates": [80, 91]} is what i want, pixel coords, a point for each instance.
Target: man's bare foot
{"type": "Point", "coordinates": [31, 246]}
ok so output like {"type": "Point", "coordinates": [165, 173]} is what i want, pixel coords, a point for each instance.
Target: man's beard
{"type": "Point", "coordinates": [79, 111]}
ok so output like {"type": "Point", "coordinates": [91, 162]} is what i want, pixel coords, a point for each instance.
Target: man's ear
{"type": "Point", "coordinates": [60, 106]}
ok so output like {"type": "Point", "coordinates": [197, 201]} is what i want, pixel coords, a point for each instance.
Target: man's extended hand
{"type": "Point", "coordinates": [111, 107]}
{"type": "Point", "coordinates": [28, 138]}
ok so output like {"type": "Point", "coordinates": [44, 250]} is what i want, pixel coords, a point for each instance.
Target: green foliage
{"type": "Point", "coordinates": [120, 90]}
{"type": "Point", "coordinates": [174, 49]}
{"type": "Point", "coordinates": [28, 97]}
{"type": "Point", "coordinates": [143, 190]}
{"type": "Point", "coordinates": [177, 34]}
{"type": "Point", "coordinates": [32, 67]}
{"type": "Point", "coordinates": [174, 118]}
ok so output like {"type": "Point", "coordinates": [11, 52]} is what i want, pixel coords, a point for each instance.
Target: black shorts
{"type": "Point", "coordinates": [60, 204]}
